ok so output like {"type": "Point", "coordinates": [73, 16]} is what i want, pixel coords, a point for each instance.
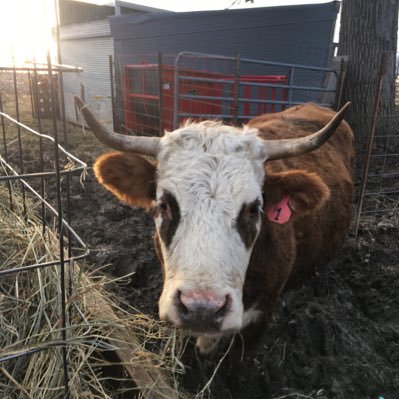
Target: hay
{"type": "Point", "coordinates": [30, 320]}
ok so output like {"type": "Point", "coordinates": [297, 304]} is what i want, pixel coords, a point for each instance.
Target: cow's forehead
{"type": "Point", "coordinates": [208, 160]}
{"type": "Point", "coordinates": [213, 138]}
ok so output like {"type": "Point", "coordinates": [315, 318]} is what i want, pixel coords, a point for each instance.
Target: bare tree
{"type": "Point", "coordinates": [368, 28]}
{"type": "Point", "coordinates": [237, 2]}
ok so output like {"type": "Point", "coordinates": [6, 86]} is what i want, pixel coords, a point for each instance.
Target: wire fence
{"type": "Point", "coordinates": [35, 172]}
{"type": "Point", "coordinates": [378, 193]}
{"type": "Point", "coordinates": [159, 91]}
{"type": "Point", "coordinates": [381, 196]}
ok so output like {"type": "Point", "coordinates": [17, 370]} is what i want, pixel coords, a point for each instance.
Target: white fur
{"type": "Point", "coordinates": [251, 315]}
{"type": "Point", "coordinates": [212, 170]}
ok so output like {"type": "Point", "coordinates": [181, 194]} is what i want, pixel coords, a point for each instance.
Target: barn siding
{"type": "Point", "coordinates": [292, 34]}
{"type": "Point", "coordinates": [287, 34]}
{"type": "Point", "coordinates": [88, 45]}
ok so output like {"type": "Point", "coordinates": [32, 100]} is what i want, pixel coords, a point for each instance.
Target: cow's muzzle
{"type": "Point", "coordinates": [202, 311]}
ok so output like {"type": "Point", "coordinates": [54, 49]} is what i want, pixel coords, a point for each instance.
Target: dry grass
{"type": "Point", "coordinates": [30, 320]}
{"type": "Point", "coordinates": [30, 302]}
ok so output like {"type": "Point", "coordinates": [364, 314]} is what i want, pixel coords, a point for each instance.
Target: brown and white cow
{"type": "Point", "coordinates": [239, 212]}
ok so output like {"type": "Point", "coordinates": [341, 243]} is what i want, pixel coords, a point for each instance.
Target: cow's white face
{"type": "Point", "coordinates": [209, 200]}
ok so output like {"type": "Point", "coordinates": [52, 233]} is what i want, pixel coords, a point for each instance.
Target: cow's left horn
{"type": "Point", "coordinates": [278, 149]}
{"type": "Point", "coordinates": [140, 145]}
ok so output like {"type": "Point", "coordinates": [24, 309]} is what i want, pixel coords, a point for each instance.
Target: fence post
{"type": "Point", "coordinates": [160, 88]}
{"type": "Point", "coordinates": [236, 90]}
{"type": "Point", "coordinates": [21, 161]}
{"type": "Point", "coordinates": [377, 100]}
{"type": "Point", "coordinates": [176, 94]}
{"type": "Point", "coordinates": [111, 78]}
{"type": "Point", "coordinates": [3, 128]}
{"type": "Point", "coordinates": [59, 227]}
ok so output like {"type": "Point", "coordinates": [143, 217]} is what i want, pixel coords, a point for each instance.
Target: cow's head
{"type": "Point", "coordinates": [205, 189]}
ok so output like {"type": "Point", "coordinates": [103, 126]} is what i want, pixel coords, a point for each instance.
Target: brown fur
{"type": "Point", "coordinates": [319, 186]}
{"type": "Point", "coordinates": [128, 176]}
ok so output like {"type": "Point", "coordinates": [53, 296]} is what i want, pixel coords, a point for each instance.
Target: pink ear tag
{"type": "Point", "coordinates": [281, 212]}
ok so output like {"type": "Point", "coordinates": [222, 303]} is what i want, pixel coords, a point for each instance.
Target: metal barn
{"type": "Point", "coordinates": [86, 41]}
{"type": "Point", "coordinates": [238, 57]}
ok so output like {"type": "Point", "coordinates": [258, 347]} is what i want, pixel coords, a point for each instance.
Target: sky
{"type": "Point", "coordinates": [25, 29]}
{"type": "Point", "coordinates": [197, 5]}
{"type": "Point", "coordinates": [25, 25]}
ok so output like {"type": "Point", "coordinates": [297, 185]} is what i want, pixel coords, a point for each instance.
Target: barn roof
{"type": "Point", "coordinates": [82, 11]}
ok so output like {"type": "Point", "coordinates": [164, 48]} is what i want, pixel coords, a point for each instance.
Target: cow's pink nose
{"type": "Point", "coordinates": [202, 311]}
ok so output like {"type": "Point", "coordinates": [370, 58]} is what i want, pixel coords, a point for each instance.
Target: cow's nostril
{"type": "Point", "coordinates": [225, 308]}
{"type": "Point", "coordinates": [181, 306]}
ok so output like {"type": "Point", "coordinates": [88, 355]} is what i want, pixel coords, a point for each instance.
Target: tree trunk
{"type": "Point", "coordinates": [368, 28]}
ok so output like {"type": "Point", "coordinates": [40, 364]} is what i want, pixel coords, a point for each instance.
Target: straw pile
{"type": "Point", "coordinates": [30, 319]}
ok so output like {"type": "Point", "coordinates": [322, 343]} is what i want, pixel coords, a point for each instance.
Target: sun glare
{"type": "Point", "coordinates": [25, 31]}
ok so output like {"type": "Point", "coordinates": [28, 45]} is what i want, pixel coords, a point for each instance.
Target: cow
{"type": "Point", "coordinates": [240, 212]}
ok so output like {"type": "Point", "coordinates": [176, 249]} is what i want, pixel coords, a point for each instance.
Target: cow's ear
{"type": "Point", "coordinates": [128, 176]}
{"type": "Point", "coordinates": [293, 193]}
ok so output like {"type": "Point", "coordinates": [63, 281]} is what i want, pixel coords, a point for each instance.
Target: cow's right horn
{"type": "Point", "coordinates": [278, 149]}
{"type": "Point", "coordinates": [120, 142]}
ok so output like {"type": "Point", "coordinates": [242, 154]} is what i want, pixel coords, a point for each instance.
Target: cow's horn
{"type": "Point", "coordinates": [120, 142]}
{"type": "Point", "coordinates": [278, 149]}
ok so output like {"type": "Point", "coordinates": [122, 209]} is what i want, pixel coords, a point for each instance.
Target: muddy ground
{"type": "Point", "coordinates": [336, 337]}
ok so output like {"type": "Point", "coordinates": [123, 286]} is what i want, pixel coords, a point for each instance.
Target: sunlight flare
{"type": "Point", "coordinates": [25, 30]}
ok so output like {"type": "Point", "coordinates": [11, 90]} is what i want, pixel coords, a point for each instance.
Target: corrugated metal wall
{"type": "Point", "coordinates": [292, 34]}
{"type": "Point", "coordinates": [88, 45]}
{"type": "Point", "coordinates": [300, 34]}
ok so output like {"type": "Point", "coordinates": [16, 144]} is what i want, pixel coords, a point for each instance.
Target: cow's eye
{"type": "Point", "coordinates": [167, 208]}
{"type": "Point", "coordinates": [161, 209]}
{"type": "Point", "coordinates": [254, 209]}
{"type": "Point", "coordinates": [247, 223]}
{"type": "Point", "coordinates": [162, 206]}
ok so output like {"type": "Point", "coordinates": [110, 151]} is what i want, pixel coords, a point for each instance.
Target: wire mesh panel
{"type": "Point", "coordinates": [161, 91]}
{"type": "Point", "coordinates": [381, 195]}
{"type": "Point", "coordinates": [254, 87]}
{"type": "Point", "coordinates": [39, 246]}
{"type": "Point", "coordinates": [378, 161]}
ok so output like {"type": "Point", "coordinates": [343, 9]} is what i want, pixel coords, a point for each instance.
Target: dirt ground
{"type": "Point", "coordinates": [336, 337]}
